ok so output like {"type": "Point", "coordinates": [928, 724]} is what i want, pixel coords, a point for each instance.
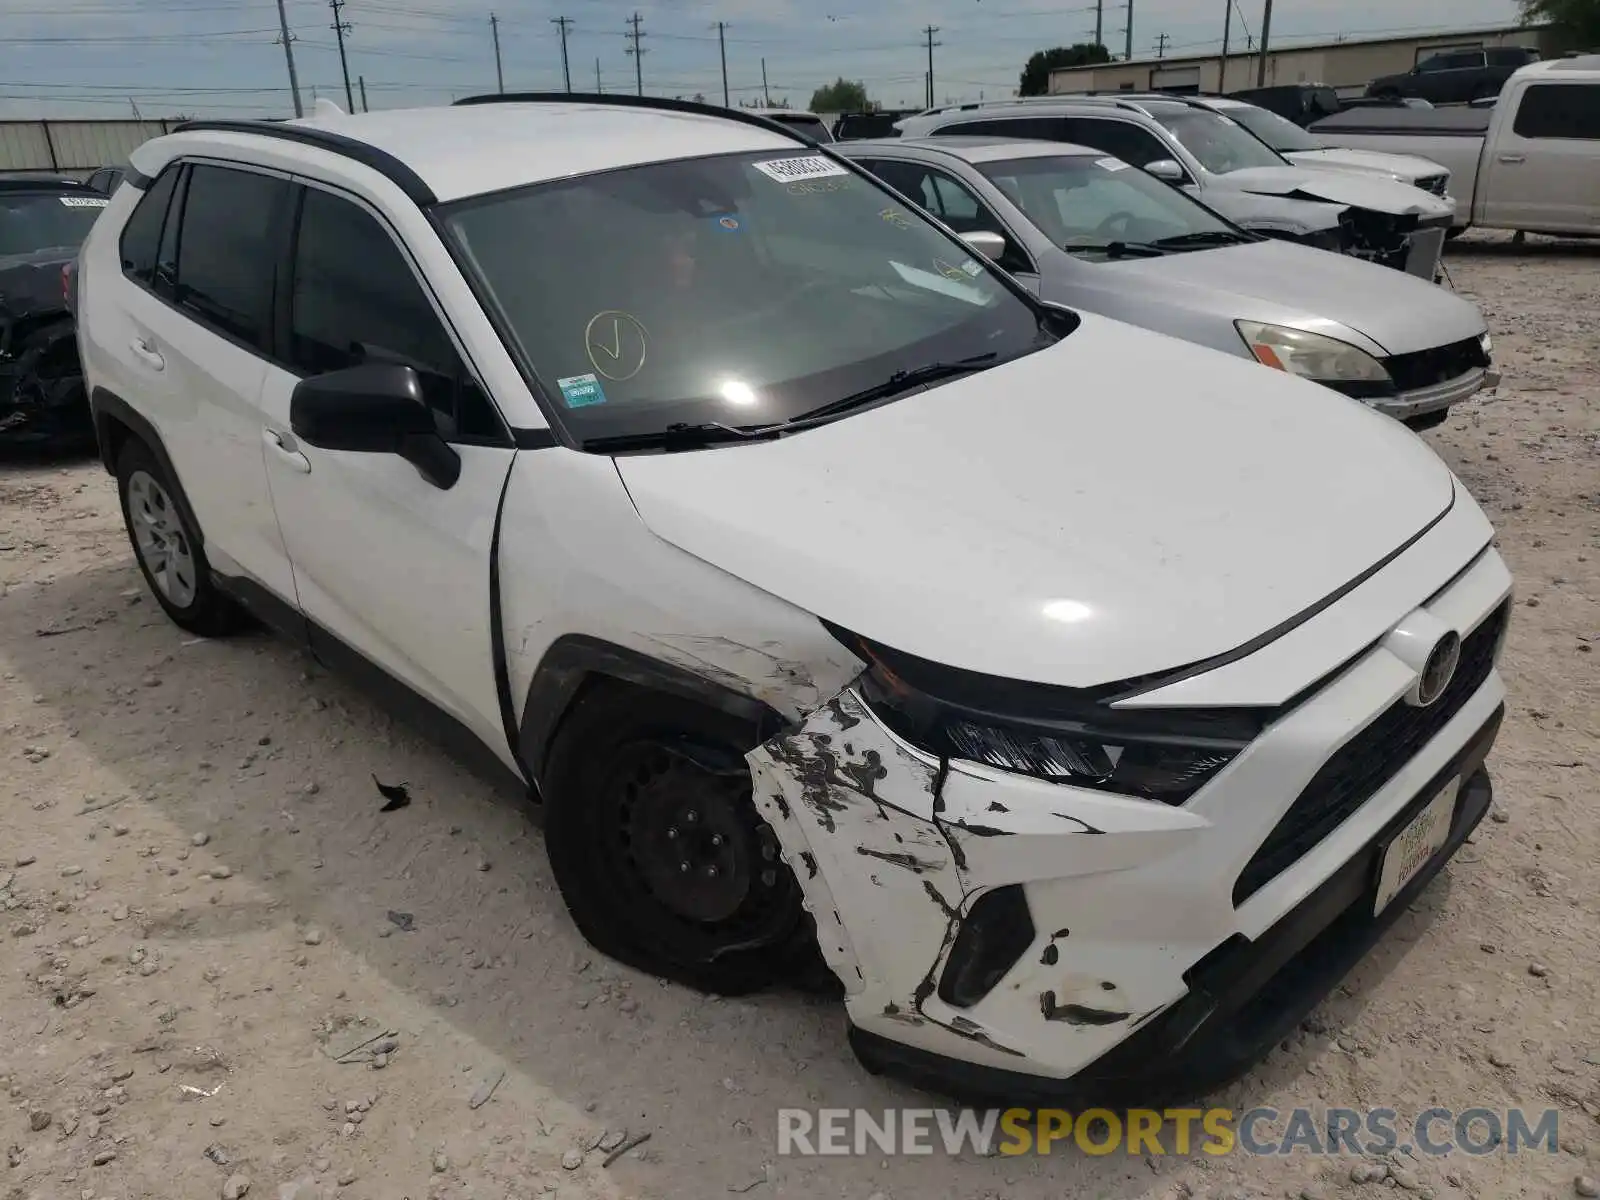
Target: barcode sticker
{"type": "Point", "coordinates": [82, 201]}
{"type": "Point", "coordinates": [1111, 164]}
{"type": "Point", "coordinates": [787, 170]}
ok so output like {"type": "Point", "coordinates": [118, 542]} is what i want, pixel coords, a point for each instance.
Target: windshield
{"type": "Point", "coordinates": [743, 289]}
{"type": "Point", "coordinates": [34, 221]}
{"type": "Point", "coordinates": [814, 128]}
{"type": "Point", "coordinates": [1084, 204]}
{"type": "Point", "coordinates": [1281, 134]}
{"type": "Point", "coordinates": [1217, 142]}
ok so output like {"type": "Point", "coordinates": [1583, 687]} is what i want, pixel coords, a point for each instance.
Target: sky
{"type": "Point", "coordinates": [223, 58]}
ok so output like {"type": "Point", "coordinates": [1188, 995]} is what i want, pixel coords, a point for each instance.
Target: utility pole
{"type": "Point", "coordinates": [1161, 45]}
{"type": "Point", "coordinates": [1266, 32]}
{"type": "Point", "coordinates": [1222, 63]}
{"type": "Point", "coordinates": [930, 31]}
{"type": "Point", "coordinates": [494, 32]}
{"type": "Point", "coordinates": [766, 96]}
{"type": "Point", "coordinates": [361, 81]}
{"type": "Point", "coordinates": [598, 89]}
{"type": "Point", "coordinates": [637, 50]}
{"type": "Point", "coordinates": [1099, 22]}
{"type": "Point", "coordinates": [722, 49]}
{"type": "Point", "coordinates": [340, 28]}
{"type": "Point", "coordinates": [287, 39]}
{"type": "Point", "coordinates": [564, 24]}
{"type": "Point", "coordinates": [1127, 46]}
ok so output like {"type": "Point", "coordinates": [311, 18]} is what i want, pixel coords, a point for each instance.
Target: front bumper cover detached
{"type": "Point", "coordinates": [1243, 998]}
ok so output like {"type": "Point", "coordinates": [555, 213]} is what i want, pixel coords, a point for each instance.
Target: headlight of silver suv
{"type": "Point", "coordinates": [1312, 356]}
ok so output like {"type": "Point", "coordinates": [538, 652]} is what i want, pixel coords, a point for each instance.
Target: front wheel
{"type": "Point", "coordinates": [167, 548]}
{"type": "Point", "coordinates": [660, 854]}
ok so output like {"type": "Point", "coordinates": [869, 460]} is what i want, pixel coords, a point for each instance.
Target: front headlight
{"type": "Point", "coordinates": [1056, 734]}
{"type": "Point", "coordinates": [1310, 355]}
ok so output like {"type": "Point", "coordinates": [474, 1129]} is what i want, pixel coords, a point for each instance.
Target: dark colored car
{"type": "Point", "coordinates": [1301, 103]}
{"type": "Point", "coordinates": [860, 126]}
{"type": "Point", "coordinates": [1457, 76]}
{"type": "Point", "coordinates": [42, 224]}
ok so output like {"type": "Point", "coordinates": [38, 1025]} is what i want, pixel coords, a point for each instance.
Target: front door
{"type": "Point", "coordinates": [1543, 174]}
{"type": "Point", "coordinates": [388, 565]}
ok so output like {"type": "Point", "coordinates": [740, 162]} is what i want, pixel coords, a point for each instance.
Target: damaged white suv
{"type": "Point", "coordinates": [1091, 700]}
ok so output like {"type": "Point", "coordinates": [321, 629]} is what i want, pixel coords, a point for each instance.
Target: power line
{"type": "Point", "coordinates": [340, 28]}
{"type": "Point", "coordinates": [636, 48]}
{"type": "Point", "coordinates": [563, 24]}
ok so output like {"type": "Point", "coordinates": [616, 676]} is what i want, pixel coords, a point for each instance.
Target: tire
{"type": "Point", "coordinates": [1428, 420]}
{"type": "Point", "coordinates": [638, 778]}
{"type": "Point", "coordinates": [166, 548]}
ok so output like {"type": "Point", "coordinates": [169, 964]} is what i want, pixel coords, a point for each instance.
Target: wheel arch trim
{"type": "Point", "coordinates": [108, 409]}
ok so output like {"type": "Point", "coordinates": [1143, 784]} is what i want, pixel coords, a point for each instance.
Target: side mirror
{"type": "Point", "coordinates": [374, 408]}
{"type": "Point", "coordinates": [1168, 170]}
{"type": "Point", "coordinates": [991, 245]}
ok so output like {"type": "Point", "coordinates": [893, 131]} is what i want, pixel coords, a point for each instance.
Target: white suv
{"type": "Point", "coordinates": [1090, 699]}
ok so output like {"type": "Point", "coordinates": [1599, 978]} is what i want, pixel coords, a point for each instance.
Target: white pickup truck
{"type": "Point", "coordinates": [1530, 163]}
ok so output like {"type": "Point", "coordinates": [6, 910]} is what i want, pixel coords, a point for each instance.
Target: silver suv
{"type": "Point", "coordinates": [1211, 156]}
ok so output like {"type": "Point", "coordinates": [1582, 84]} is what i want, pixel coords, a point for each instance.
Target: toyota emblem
{"type": "Point", "coordinates": [1439, 669]}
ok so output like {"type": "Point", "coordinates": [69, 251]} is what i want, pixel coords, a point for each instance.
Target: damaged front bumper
{"type": "Point", "coordinates": [42, 396]}
{"type": "Point", "coordinates": [1002, 938]}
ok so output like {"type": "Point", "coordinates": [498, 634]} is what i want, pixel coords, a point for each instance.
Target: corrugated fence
{"type": "Point", "coordinates": [72, 147]}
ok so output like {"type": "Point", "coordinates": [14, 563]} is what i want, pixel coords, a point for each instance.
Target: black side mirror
{"type": "Point", "coordinates": [374, 408]}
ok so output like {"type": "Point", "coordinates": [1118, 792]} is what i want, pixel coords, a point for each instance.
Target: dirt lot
{"type": "Point", "coordinates": [204, 907]}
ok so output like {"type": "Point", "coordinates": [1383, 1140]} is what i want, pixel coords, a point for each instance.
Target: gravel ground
{"type": "Point", "coordinates": [205, 909]}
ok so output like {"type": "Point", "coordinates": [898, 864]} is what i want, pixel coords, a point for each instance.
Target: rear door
{"type": "Point", "coordinates": [1543, 171]}
{"type": "Point", "coordinates": [181, 329]}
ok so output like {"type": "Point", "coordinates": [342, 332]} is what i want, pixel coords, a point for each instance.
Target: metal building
{"type": "Point", "coordinates": [73, 148]}
{"type": "Point", "coordinates": [1347, 64]}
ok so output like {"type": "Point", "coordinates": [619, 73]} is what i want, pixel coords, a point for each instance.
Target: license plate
{"type": "Point", "coordinates": [1413, 847]}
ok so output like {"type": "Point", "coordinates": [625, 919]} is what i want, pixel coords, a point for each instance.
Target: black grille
{"type": "Point", "coordinates": [1365, 763]}
{"type": "Point", "coordinates": [1434, 183]}
{"type": "Point", "coordinates": [1428, 367]}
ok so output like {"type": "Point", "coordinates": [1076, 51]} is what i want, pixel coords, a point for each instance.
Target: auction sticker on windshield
{"type": "Point", "coordinates": [1111, 164]}
{"type": "Point", "coordinates": [579, 391]}
{"type": "Point", "coordinates": [787, 170]}
{"type": "Point", "coordinates": [83, 201]}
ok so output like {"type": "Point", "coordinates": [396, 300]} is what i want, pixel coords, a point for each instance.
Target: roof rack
{"type": "Point", "coordinates": [659, 103]}
{"type": "Point", "coordinates": [381, 161]}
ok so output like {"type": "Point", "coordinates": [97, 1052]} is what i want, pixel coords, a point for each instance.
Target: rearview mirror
{"type": "Point", "coordinates": [1168, 170]}
{"type": "Point", "coordinates": [374, 408]}
{"type": "Point", "coordinates": [991, 245]}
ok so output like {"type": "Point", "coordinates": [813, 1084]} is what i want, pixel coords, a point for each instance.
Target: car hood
{"type": "Point", "coordinates": [1337, 187]}
{"type": "Point", "coordinates": [1409, 167]}
{"type": "Point", "coordinates": [1284, 283]}
{"type": "Point", "coordinates": [1120, 504]}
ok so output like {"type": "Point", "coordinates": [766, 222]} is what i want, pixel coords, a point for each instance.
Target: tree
{"type": "Point", "coordinates": [1036, 75]}
{"type": "Point", "coordinates": [842, 95]}
{"type": "Point", "coordinates": [1577, 22]}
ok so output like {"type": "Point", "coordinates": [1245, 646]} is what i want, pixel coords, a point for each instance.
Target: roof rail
{"type": "Point", "coordinates": [659, 103]}
{"type": "Point", "coordinates": [381, 161]}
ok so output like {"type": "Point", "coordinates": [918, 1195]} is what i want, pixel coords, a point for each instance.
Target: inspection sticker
{"type": "Point", "coordinates": [579, 391]}
{"type": "Point", "coordinates": [83, 201]}
{"type": "Point", "coordinates": [1111, 164]}
{"type": "Point", "coordinates": [787, 170]}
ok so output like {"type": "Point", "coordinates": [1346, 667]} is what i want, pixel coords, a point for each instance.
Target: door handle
{"type": "Point", "coordinates": [1513, 158]}
{"type": "Point", "coordinates": [285, 447]}
{"type": "Point", "coordinates": [147, 354]}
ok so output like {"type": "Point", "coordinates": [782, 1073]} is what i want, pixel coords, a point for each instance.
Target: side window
{"type": "Point", "coordinates": [141, 236]}
{"type": "Point", "coordinates": [226, 253]}
{"type": "Point", "coordinates": [1120, 138]}
{"type": "Point", "coordinates": [1559, 110]}
{"type": "Point", "coordinates": [165, 281]}
{"type": "Point", "coordinates": [355, 299]}
{"type": "Point", "coordinates": [947, 198]}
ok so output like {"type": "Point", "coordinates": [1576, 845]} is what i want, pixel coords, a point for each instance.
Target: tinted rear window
{"type": "Point", "coordinates": [35, 221]}
{"type": "Point", "coordinates": [226, 250]}
{"type": "Point", "coordinates": [1568, 111]}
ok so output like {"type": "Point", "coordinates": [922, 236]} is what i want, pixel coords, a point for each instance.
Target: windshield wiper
{"type": "Point", "coordinates": [1117, 249]}
{"type": "Point", "coordinates": [901, 381]}
{"type": "Point", "coordinates": [682, 435]}
{"type": "Point", "coordinates": [1211, 237]}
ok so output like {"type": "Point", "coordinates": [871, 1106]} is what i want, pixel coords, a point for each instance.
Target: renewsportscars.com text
{"type": "Point", "coordinates": [1180, 1131]}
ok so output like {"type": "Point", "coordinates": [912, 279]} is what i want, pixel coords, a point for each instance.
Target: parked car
{"type": "Point", "coordinates": [1081, 229]}
{"type": "Point", "coordinates": [1456, 76]}
{"type": "Point", "coordinates": [106, 179]}
{"type": "Point", "coordinates": [42, 224]}
{"type": "Point", "coordinates": [1301, 103]}
{"type": "Point", "coordinates": [879, 123]}
{"type": "Point", "coordinates": [1077, 683]}
{"type": "Point", "coordinates": [1531, 162]}
{"type": "Point", "coordinates": [808, 123]}
{"type": "Point", "coordinates": [1191, 146]}
{"type": "Point", "coordinates": [1306, 150]}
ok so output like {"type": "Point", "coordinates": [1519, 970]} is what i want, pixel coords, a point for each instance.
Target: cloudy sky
{"type": "Point", "coordinates": [83, 58]}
